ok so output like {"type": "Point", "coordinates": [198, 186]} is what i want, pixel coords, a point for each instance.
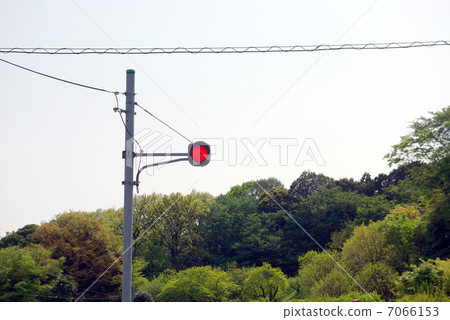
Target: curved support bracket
{"type": "Point", "coordinates": [154, 165]}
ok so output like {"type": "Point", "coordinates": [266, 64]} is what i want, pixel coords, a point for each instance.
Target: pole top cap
{"type": "Point", "coordinates": [130, 71]}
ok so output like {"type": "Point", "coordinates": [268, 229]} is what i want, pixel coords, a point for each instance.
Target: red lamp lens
{"type": "Point", "coordinates": [199, 153]}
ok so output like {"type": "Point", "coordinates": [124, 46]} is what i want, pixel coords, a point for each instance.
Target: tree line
{"type": "Point", "coordinates": [383, 238]}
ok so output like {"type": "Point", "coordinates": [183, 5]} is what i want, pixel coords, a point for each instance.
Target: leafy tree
{"type": "Point", "coordinates": [409, 211]}
{"type": "Point", "coordinates": [27, 274]}
{"type": "Point", "coordinates": [65, 289]}
{"type": "Point", "coordinates": [243, 190]}
{"type": "Point", "coordinates": [438, 225]}
{"type": "Point", "coordinates": [424, 278]}
{"type": "Point", "coordinates": [154, 253]}
{"type": "Point", "coordinates": [407, 191]}
{"type": "Point", "coordinates": [238, 276]}
{"type": "Point", "coordinates": [199, 284]}
{"type": "Point", "coordinates": [295, 285]}
{"type": "Point", "coordinates": [424, 297]}
{"type": "Point", "coordinates": [371, 209]}
{"type": "Point", "coordinates": [112, 219]}
{"type": "Point", "coordinates": [223, 228]}
{"type": "Point", "coordinates": [367, 184]}
{"type": "Point", "coordinates": [139, 280]}
{"type": "Point", "coordinates": [265, 283]}
{"type": "Point", "coordinates": [261, 185]}
{"type": "Point", "coordinates": [327, 211]}
{"type": "Point", "coordinates": [348, 297]}
{"type": "Point", "coordinates": [367, 245]}
{"type": "Point", "coordinates": [382, 182]}
{"type": "Point", "coordinates": [143, 296]}
{"type": "Point", "coordinates": [271, 201]}
{"type": "Point", "coordinates": [88, 249]}
{"type": "Point", "coordinates": [22, 237]}
{"type": "Point", "coordinates": [338, 238]}
{"type": "Point", "coordinates": [145, 210]}
{"type": "Point", "coordinates": [429, 140]}
{"type": "Point", "coordinates": [178, 227]}
{"type": "Point", "coordinates": [378, 277]}
{"type": "Point", "coordinates": [334, 284]}
{"type": "Point", "coordinates": [314, 268]}
{"type": "Point", "coordinates": [368, 209]}
{"type": "Point", "coordinates": [349, 185]}
{"type": "Point", "coordinates": [307, 184]}
{"type": "Point", "coordinates": [444, 265]}
{"type": "Point", "coordinates": [428, 143]}
{"type": "Point", "coordinates": [261, 239]}
{"type": "Point", "coordinates": [403, 235]}
{"type": "Point", "coordinates": [156, 285]}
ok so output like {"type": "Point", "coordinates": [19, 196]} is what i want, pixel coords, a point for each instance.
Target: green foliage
{"type": "Point", "coordinates": [199, 284]}
{"type": "Point", "coordinates": [348, 185]}
{"type": "Point", "coordinates": [407, 191]}
{"type": "Point", "coordinates": [145, 212]}
{"type": "Point", "coordinates": [327, 211]}
{"type": "Point", "coordinates": [371, 209]}
{"type": "Point", "coordinates": [261, 239]}
{"type": "Point", "coordinates": [155, 286]}
{"type": "Point", "coordinates": [367, 245]}
{"type": "Point", "coordinates": [140, 281]}
{"type": "Point", "coordinates": [378, 277]}
{"type": "Point", "coordinates": [334, 284]}
{"type": "Point", "coordinates": [156, 256]}
{"type": "Point", "coordinates": [262, 185]}
{"type": "Point", "coordinates": [65, 289]}
{"type": "Point", "coordinates": [223, 227]}
{"type": "Point", "coordinates": [314, 268]}
{"type": "Point", "coordinates": [143, 296]}
{"type": "Point", "coordinates": [265, 283]}
{"type": "Point", "coordinates": [112, 220]}
{"type": "Point", "coordinates": [438, 225]}
{"type": "Point", "coordinates": [424, 278]}
{"type": "Point", "coordinates": [238, 276]}
{"type": "Point", "coordinates": [375, 228]}
{"type": "Point", "coordinates": [295, 287]}
{"type": "Point", "coordinates": [88, 249]}
{"type": "Point", "coordinates": [28, 274]}
{"type": "Point", "coordinates": [411, 212]}
{"type": "Point", "coordinates": [320, 275]}
{"type": "Point", "coordinates": [444, 265]}
{"type": "Point", "coordinates": [424, 297]}
{"type": "Point", "coordinates": [402, 235]}
{"type": "Point", "coordinates": [429, 140]}
{"type": "Point", "coordinates": [178, 227]}
{"type": "Point", "coordinates": [348, 297]}
{"type": "Point", "coordinates": [22, 237]}
{"type": "Point", "coordinates": [242, 191]}
{"type": "Point", "coordinates": [307, 184]}
{"type": "Point", "coordinates": [274, 200]}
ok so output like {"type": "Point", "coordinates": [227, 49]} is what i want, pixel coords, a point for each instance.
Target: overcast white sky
{"type": "Point", "coordinates": [61, 145]}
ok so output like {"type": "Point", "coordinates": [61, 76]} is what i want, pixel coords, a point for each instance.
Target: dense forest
{"type": "Point", "coordinates": [382, 238]}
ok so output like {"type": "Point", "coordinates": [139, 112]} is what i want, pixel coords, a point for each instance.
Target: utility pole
{"type": "Point", "coordinates": [128, 155]}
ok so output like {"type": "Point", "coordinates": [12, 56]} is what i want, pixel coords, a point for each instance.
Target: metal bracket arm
{"type": "Point", "coordinates": [154, 165]}
{"type": "Point", "coordinates": [169, 154]}
{"type": "Point", "coordinates": [133, 183]}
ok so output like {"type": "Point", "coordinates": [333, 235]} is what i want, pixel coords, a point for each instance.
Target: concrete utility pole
{"type": "Point", "coordinates": [128, 155]}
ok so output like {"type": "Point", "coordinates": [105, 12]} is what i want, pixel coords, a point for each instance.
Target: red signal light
{"type": "Point", "coordinates": [199, 153]}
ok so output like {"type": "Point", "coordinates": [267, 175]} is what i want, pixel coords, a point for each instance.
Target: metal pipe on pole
{"type": "Point", "coordinates": [127, 295]}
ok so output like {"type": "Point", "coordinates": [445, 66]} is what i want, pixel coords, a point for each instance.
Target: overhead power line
{"type": "Point", "coordinates": [168, 126]}
{"type": "Point", "coordinates": [59, 79]}
{"type": "Point", "coordinates": [249, 49]}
